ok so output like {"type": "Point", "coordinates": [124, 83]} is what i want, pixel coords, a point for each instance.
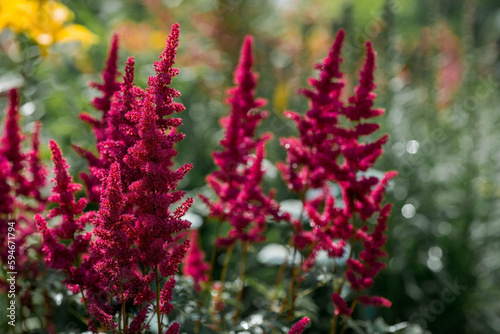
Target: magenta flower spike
{"type": "Point", "coordinates": [108, 88]}
{"type": "Point", "coordinates": [300, 326]}
{"type": "Point", "coordinates": [237, 182]}
{"type": "Point", "coordinates": [99, 126]}
{"type": "Point", "coordinates": [37, 170]}
{"type": "Point", "coordinates": [22, 178]}
{"type": "Point", "coordinates": [64, 244]}
{"type": "Point", "coordinates": [332, 150]}
{"type": "Point", "coordinates": [135, 231]}
{"type": "Point", "coordinates": [194, 265]}
{"type": "Point", "coordinates": [10, 143]}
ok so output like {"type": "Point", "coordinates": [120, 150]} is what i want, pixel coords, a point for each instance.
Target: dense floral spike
{"type": "Point", "coordinates": [108, 89]}
{"type": "Point", "coordinates": [6, 199]}
{"type": "Point", "coordinates": [10, 143]}
{"type": "Point", "coordinates": [173, 329]}
{"type": "Point", "coordinates": [194, 265]}
{"type": "Point", "coordinates": [299, 327]}
{"type": "Point", "coordinates": [159, 85]}
{"type": "Point", "coordinates": [22, 178]}
{"type": "Point", "coordinates": [375, 301]}
{"type": "Point", "coordinates": [99, 126]}
{"type": "Point", "coordinates": [138, 325]}
{"type": "Point", "coordinates": [37, 170]}
{"type": "Point", "coordinates": [65, 243]}
{"type": "Point", "coordinates": [135, 228]}
{"type": "Point", "coordinates": [341, 307]}
{"type": "Point", "coordinates": [331, 150]}
{"type": "Point", "coordinates": [125, 109]}
{"type": "Point", "coordinates": [101, 316]}
{"type": "Point", "coordinates": [236, 183]}
{"type": "Point", "coordinates": [112, 244]}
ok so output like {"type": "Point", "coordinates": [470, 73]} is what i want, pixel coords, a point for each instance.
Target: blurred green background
{"type": "Point", "coordinates": [438, 79]}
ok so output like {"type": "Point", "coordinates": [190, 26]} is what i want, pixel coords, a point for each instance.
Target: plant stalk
{"type": "Point", "coordinates": [158, 315]}
{"type": "Point", "coordinates": [244, 246]}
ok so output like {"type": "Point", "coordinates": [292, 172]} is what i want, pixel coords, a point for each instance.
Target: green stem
{"type": "Point", "coordinates": [223, 277]}
{"type": "Point", "coordinates": [158, 314]}
{"type": "Point", "coordinates": [124, 313]}
{"type": "Point", "coordinates": [293, 292]}
{"type": "Point", "coordinates": [279, 277]}
{"type": "Point", "coordinates": [239, 299]}
{"type": "Point", "coordinates": [214, 254]}
{"type": "Point", "coordinates": [344, 278]}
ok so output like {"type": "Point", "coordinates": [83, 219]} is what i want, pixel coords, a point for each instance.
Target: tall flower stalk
{"type": "Point", "coordinates": [65, 245]}
{"type": "Point", "coordinates": [240, 200]}
{"type": "Point", "coordinates": [22, 178]}
{"type": "Point", "coordinates": [108, 88]}
{"type": "Point", "coordinates": [133, 255]}
{"type": "Point", "coordinates": [331, 149]}
{"type": "Point", "coordinates": [135, 225]}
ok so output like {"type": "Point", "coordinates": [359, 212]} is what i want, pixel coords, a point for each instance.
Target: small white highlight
{"type": "Point", "coordinates": [412, 146]}
{"type": "Point", "coordinates": [408, 211]}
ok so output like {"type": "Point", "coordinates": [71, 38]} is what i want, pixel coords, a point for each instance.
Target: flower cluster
{"type": "Point", "coordinates": [22, 175]}
{"type": "Point", "coordinates": [122, 258]}
{"type": "Point", "coordinates": [237, 182]}
{"type": "Point", "coordinates": [329, 150]}
{"type": "Point", "coordinates": [99, 126]}
{"type": "Point", "coordinates": [134, 228]}
{"type": "Point", "coordinates": [65, 244]}
{"type": "Point", "coordinates": [194, 266]}
{"type": "Point", "coordinates": [132, 247]}
{"type": "Point", "coordinates": [299, 327]}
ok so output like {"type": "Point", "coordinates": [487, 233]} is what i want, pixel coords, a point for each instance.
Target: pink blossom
{"type": "Point", "coordinates": [173, 329]}
{"type": "Point", "coordinates": [331, 149]}
{"type": "Point", "coordinates": [136, 229]}
{"type": "Point", "coordinates": [299, 327]}
{"type": "Point", "coordinates": [340, 305]}
{"type": "Point", "coordinates": [22, 178]}
{"type": "Point", "coordinates": [65, 243]}
{"type": "Point", "coordinates": [101, 316]}
{"type": "Point", "coordinates": [237, 182]}
{"type": "Point", "coordinates": [375, 301]}
{"type": "Point", "coordinates": [194, 265]}
{"type": "Point", "coordinates": [99, 126]}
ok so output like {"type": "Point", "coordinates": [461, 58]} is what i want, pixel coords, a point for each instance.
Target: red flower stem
{"type": "Point", "coordinates": [244, 246]}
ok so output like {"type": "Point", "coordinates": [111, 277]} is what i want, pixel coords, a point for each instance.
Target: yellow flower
{"type": "Point", "coordinates": [44, 21]}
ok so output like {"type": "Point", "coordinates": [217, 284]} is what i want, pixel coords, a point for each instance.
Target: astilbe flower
{"type": "Point", "coordinates": [99, 126]}
{"type": "Point", "coordinates": [327, 151]}
{"type": "Point", "coordinates": [22, 179]}
{"type": "Point", "coordinates": [237, 182]}
{"type": "Point", "coordinates": [135, 227]}
{"type": "Point", "coordinates": [299, 327]}
{"type": "Point", "coordinates": [65, 244]}
{"type": "Point", "coordinates": [194, 265]}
